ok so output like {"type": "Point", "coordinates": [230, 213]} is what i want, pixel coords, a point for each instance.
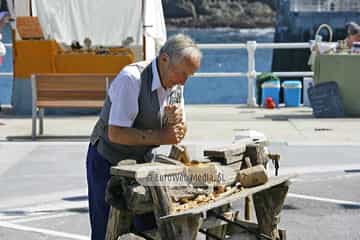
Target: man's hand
{"type": "Point", "coordinates": [173, 134]}
{"type": "Point", "coordinates": [173, 114]}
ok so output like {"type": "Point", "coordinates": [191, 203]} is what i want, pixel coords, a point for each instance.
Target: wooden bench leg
{"type": "Point", "coordinates": [33, 128]}
{"type": "Point", "coordinates": [41, 120]}
{"type": "Point", "coordinates": [268, 204]}
{"type": "Point", "coordinates": [179, 228]}
{"type": "Point", "coordinates": [220, 231]}
{"type": "Point", "coordinates": [119, 223]}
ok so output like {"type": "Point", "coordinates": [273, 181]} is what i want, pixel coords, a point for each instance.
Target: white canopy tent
{"type": "Point", "coordinates": [105, 22]}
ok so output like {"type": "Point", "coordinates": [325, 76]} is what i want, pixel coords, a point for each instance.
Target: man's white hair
{"type": "Point", "coordinates": [180, 46]}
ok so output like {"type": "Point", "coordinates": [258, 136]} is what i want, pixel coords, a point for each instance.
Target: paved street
{"type": "Point", "coordinates": [43, 184]}
{"type": "Point", "coordinates": [44, 191]}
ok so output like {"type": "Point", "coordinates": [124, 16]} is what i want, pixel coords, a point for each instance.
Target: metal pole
{"type": "Point", "coordinates": [251, 47]}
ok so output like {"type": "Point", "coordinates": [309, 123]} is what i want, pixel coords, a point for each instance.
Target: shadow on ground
{"type": "Point", "coordinates": [50, 138]}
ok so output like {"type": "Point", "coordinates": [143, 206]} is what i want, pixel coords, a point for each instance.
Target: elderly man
{"type": "Point", "coordinates": [132, 121]}
{"type": "Point", "coordinates": [353, 33]}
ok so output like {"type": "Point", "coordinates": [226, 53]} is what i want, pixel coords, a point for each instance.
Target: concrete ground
{"type": "Point", "coordinates": [214, 123]}
{"type": "Point", "coordinates": [43, 183]}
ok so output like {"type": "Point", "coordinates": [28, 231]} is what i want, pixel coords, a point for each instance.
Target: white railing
{"type": "Point", "coordinates": [251, 74]}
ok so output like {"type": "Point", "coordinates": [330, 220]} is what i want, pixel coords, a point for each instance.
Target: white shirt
{"type": "Point", "coordinates": [124, 92]}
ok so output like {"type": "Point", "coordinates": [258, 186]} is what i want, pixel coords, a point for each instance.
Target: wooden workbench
{"type": "Point", "coordinates": [268, 200]}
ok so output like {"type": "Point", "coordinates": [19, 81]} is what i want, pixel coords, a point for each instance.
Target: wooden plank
{"type": "Point", "coordinates": [273, 181]}
{"type": "Point", "coordinates": [160, 158]}
{"type": "Point", "coordinates": [70, 82]}
{"type": "Point", "coordinates": [73, 95]}
{"type": "Point", "coordinates": [111, 76]}
{"type": "Point", "coordinates": [230, 159]}
{"type": "Point", "coordinates": [225, 151]}
{"type": "Point", "coordinates": [143, 170]}
{"type": "Point", "coordinates": [236, 165]}
{"type": "Point", "coordinates": [70, 104]}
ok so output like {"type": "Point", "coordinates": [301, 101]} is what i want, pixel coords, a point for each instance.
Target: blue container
{"type": "Point", "coordinates": [270, 89]}
{"type": "Point", "coordinates": [292, 93]}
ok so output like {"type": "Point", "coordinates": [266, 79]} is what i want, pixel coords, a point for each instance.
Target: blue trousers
{"type": "Point", "coordinates": [98, 174]}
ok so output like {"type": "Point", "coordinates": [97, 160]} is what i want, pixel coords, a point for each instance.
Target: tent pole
{"type": "Point", "coordinates": [30, 6]}
{"type": "Point", "coordinates": [143, 22]}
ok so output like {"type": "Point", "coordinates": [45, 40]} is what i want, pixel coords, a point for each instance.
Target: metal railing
{"type": "Point", "coordinates": [251, 74]}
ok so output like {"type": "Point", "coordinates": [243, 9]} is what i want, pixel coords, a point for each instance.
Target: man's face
{"type": "Point", "coordinates": [353, 38]}
{"type": "Point", "coordinates": [178, 73]}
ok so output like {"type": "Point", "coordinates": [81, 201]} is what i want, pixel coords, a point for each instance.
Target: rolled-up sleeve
{"type": "Point", "coordinates": [123, 93]}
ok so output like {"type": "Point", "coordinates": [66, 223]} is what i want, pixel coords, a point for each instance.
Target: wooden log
{"type": "Point", "coordinates": [220, 231]}
{"type": "Point", "coordinates": [252, 176]}
{"type": "Point", "coordinates": [138, 199]}
{"type": "Point", "coordinates": [119, 223]}
{"type": "Point", "coordinates": [183, 227]}
{"type": "Point", "coordinates": [268, 204]}
{"type": "Point", "coordinates": [256, 153]}
{"type": "Point", "coordinates": [226, 154]}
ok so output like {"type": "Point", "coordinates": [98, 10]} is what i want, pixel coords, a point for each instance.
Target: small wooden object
{"type": "Point", "coordinates": [227, 154]}
{"type": "Point", "coordinates": [252, 176]}
{"type": "Point", "coordinates": [180, 153]}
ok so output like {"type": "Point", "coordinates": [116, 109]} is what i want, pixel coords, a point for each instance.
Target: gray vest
{"type": "Point", "coordinates": [148, 117]}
